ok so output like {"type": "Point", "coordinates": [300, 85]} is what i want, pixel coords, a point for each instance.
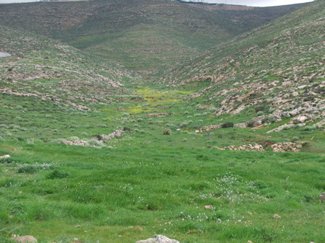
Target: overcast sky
{"type": "Point", "coordinates": [254, 2]}
{"type": "Point", "coordinates": [241, 2]}
{"type": "Point", "coordinates": [16, 1]}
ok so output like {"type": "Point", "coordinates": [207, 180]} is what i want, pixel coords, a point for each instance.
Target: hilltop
{"type": "Point", "coordinates": [147, 36]}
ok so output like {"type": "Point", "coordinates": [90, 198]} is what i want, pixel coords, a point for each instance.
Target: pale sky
{"type": "Point", "coordinates": [261, 3]}
{"type": "Point", "coordinates": [16, 1]}
{"type": "Point", "coordinates": [239, 2]}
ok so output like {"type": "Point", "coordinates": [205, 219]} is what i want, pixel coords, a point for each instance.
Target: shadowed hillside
{"type": "Point", "coordinates": [144, 35]}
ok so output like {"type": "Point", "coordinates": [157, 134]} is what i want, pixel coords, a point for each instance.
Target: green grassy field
{"type": "Point", "coordinates": [166, 173]}
{"type": "Point", "coordinates": [147, 183]}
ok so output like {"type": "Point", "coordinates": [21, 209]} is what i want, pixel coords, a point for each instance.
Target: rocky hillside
{"type": "Point", "coordinates": [147, 36]}
{"type": "Point", "coordinates": [277, 72]}
{"type": "Point", "coordinates": [49, 70]}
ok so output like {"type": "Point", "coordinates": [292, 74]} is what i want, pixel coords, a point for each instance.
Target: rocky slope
{"type": "Point", "coordinates": [49, 70]}
{"type": "Point", "coordinates": [277, 71]}
{"type": "Point", "coordinates": [147, 36]}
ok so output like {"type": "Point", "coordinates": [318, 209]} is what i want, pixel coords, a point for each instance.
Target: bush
{"type": "Point", "coordinates": [57, 175]}
{"type": "Point", "coordinates": [29, 169]}
{"type": "Point", "coordinates": [263, 108]}
{"type": "Point", "coordinates": [6, 161]}
{"type": "Point", "coordinates": [310, 128]}
{"type": "Point", "coordinates": [227, 125]}
{"type": "Point", "coordinates": [260, 113]}
{"type": "Point", "coordinates": [167, 132]}
{"type": "Point", "coordinates": [185, 124]}
{"type": "Point", "coordinates": [250, 124]}
{"type": "Point", "coordinates": [269, 119]}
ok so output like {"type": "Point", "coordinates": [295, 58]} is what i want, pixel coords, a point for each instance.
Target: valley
{"type": "Point", "coordinates": [138, 118]}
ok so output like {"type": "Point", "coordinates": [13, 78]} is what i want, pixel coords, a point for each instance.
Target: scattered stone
{"type": "Point", "coordinates": [286, 147]}
{"type": "Point", "coordinates": [295, 112]}
{"type": "Point", "coordinates": [106, 137]}
{"type": "Point", "coordinates": [6, 156]}
{"type": "Point", "coordinates": [96, 141]}
{"type": "Point", "coordinates": [322, 197]}
{"type": "Point", "coordinates": [24, 239]}
{"type": "Point", "coordinates": [209, 128]}
{"type": "Point", "coordinates": [75, 141]}
{"type": "Point", "coordinates": [294, 92]}
{"type": "Point", "coordinates": [320, 124]}
{"type": "Point", "coordinates": [254, 123]}
{"type": "Point", "coordinates": [240, 125]}
{"type": "Point", "coordinates": [300, 119]}
{"type": "Point", "coordinates": [276, 147]}
{"type": "Point", "coordinates": [74, 85]}
{"type": "Point", "coordinates": [246, 147]}
{"type": "Point", "coordinates": [158, 239]}
{"type": "Point", "coordinates": [285, 127]}
{"type": "Point", "coordinates": [276, 216]}
{"type": "Point", "coordinates": [157, 115]}
{"type": "Point", "coordinates": [210, 207]}
{"type": "Point", "coordinates": [4, 54]}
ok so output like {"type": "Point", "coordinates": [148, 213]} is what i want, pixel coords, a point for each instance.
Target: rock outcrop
{"type": "Point", "coordinates": [6, 156]}
{"type": "Point", "coordinates": [275, 147]}
{"type": "Point", "coordinates": [24, 239]}
{"type": "Point", "coordinates": [4, 54]}
{"type": "Point", "coordinates": [96, 141]}
{"type": "Point", "coordinates": [158, 239]}
{"type": "Point", "coordinates": [248, 147]}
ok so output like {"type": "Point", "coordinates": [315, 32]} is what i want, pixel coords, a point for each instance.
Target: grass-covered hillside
{"type": "Point", "coordinates": [275, 72]}
{"type": "Point", "coordinates": [148, 36]}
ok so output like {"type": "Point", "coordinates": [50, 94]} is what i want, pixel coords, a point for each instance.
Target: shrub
{"type": "Point", "coordinates": [29, 169]}
{"type": "Point", "coordinates": [6, 161]}
{"type": "Point", "coordinates": [269, 119]}
{"type": "Point", "coordinates": [310, 128]}
{"type": "Point", "coordinates": [57, 175]}
{"type": "Point", "coordinates": [185, 124]}
{"type": "Point", "coordinates": [260, 113]}
{"type": "Point", "coordinates": [250, 124]}
{"type": "Point", "coordinates": [227, 125]}
{"type": "Point", "coordinates": [263, 108]}
{"type": "Point", "coordinates": [167, 132]}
